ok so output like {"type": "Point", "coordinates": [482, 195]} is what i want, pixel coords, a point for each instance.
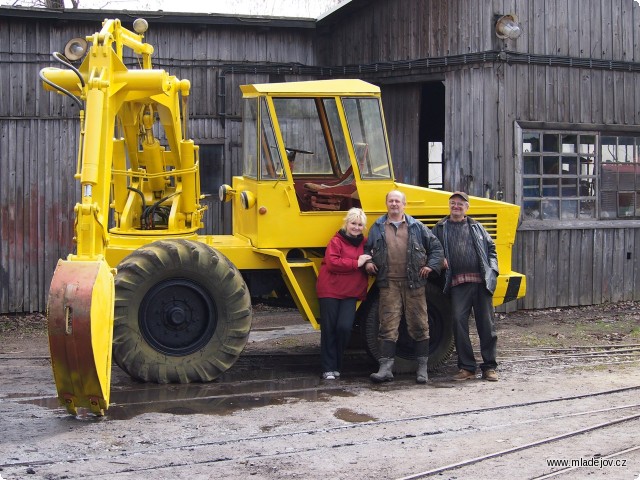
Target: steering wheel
{"type": "Point", "coordinates": [291, 152]}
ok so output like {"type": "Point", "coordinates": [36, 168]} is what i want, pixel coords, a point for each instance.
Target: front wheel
{"type": "Point", "coordinates": [440, 329]}
{"type": "Point", "coordinates": [182, 313]}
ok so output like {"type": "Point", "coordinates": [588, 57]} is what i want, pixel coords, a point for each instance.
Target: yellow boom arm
{"type": "Point", "coordinates": [121, 165]}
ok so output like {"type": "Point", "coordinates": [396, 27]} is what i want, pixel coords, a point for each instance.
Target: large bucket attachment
{"type": "Point", "coordinates": [80, 320]}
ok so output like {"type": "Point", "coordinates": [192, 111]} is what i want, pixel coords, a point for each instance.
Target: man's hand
{"type": "Point", "coordinates": [371, 268]}
{"type": "Point", "coordinates": [424, 272]}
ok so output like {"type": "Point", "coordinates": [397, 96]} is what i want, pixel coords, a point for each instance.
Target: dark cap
{"type": "Point", "coordinates": [462, 195]}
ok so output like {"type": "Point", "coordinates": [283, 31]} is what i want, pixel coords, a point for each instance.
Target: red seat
{"type": "Point", "coordinates": [335, 196]}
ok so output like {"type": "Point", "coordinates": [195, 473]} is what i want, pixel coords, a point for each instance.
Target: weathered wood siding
{"type": "Point", "coordinates": [384, 31]}
{"type": "Point", "coordinates": [402, 121]}
{"type": "Point", "coordinates": [398, 45]}
{"type": "Point", "coordinates": [486, 99]}
{"type": "Point", "coordinates": [37, 194]}
{"type": "Point", "coordinates": [581, 266]}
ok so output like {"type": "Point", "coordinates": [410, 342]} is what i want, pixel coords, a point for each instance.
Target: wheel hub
{"type": "Point", "coordinates": [177, 317]}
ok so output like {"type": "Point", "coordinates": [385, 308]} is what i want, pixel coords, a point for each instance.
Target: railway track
{"type": "Point", "coordinates": [537, 443]}
{"type": "Point", "coordinates": [497, 433]}
{"type": "Point", "coordinates": [243, 449]}
{"type": "Point", "coordinates": [257, 374]}
{"type": "Point", "coordinates": [606, 396]}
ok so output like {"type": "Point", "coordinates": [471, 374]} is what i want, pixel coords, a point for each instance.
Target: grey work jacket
{"type": "Point", "coordinates": [484, 245]}
{"type": "Point", "coordinates": [423, 249]}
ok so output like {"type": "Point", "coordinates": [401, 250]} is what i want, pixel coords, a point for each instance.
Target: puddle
{"type": "Point", "coordinates": [254, 381]}
{"type": "Point", "coordinates": [353, 417]}
{"type": "Point", "coordinates": [205, 399]}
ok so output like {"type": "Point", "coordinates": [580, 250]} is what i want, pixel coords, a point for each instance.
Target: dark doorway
{"type": "Point", "coordinates": [431, 134]}
{"type": "Point", "coordinates": [217, 217]}
{"type": "Point", "coordinates": [211, 174]}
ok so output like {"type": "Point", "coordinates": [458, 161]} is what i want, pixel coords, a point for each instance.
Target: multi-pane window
{"type": "Point", "coordinates": [435, 165]}
{"type": "Point", "coordinates": [576, 175]}
{"type": "Point", "coordinates": [559, 179]}
{"type": "Point", "coordinates": [620, 177]}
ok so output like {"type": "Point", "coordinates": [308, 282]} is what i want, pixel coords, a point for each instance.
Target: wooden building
{"type": "Point", "coordinates": [549, 120]}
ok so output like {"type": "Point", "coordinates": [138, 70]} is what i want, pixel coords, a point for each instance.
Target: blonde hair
{"type": "Point", "coordinates": [354, 214]}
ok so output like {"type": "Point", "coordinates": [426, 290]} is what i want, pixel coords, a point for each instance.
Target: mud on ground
{"type": "Point", "coordinates": [556, 327]}
{"type": "Point", "coordinates": [561, 371]}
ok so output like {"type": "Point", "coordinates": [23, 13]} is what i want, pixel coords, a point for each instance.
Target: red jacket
{"type": "Point", "coordinates": [339, 275]}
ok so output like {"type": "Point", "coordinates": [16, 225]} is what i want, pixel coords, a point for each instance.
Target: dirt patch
{"type": "Point", "coordinates": [568, 389]}
{"type": "Point", "coordinates": [606, 324]}
{"type": "Point", "coordinates": [564, 327]}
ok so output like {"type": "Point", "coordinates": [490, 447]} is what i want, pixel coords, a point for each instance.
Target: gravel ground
{"type": "Point", "coordinates": [568, 390]}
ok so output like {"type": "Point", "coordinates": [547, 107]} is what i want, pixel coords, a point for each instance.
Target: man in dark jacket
{"type": "Point", "coordinates": [471, 265]}
{"type": "Point", "coordinates": [403, 254]}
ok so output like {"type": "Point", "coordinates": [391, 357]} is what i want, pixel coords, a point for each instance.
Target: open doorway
{"type": "Point", "coordinates": [431, 135]}
{"type": "Point", "coordinates": [217, 216]}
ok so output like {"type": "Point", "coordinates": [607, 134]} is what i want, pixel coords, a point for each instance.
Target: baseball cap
{"type": "Point", "coordinates": [462, 195]}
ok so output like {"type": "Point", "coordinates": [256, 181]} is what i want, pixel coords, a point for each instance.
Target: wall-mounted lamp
{"type": "Point", "coordinates": [140, 25]}
{"type": "Point", "coordinates": [507, 27]}
{"type": "Point", "coordinates": [75, 49]}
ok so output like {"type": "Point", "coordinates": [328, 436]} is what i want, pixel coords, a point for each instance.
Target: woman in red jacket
{"type": "Point", "coordinates": [341, 283]}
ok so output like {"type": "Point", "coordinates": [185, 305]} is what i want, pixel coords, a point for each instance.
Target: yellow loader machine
{"type": "Point", "coordinates": [172, 305]}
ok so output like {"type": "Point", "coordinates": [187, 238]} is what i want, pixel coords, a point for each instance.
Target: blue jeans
{"type": "Point", "coordinates": [464, 297]}
{"type": "Point", "coordinates": [336, 322]}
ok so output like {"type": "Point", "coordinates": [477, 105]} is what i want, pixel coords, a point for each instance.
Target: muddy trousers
{"type": "Point", "coordinates": [336, 323]}
{"type": "Point", "coordinates": [465, 297]}
{"type": "Point", "coordinates": [397, 299]}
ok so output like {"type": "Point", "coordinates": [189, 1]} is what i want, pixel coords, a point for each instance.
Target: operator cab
{"type": "Point", "coordinates": [325, 143]}
{"type": "Point", "coordinates": [311, 151]}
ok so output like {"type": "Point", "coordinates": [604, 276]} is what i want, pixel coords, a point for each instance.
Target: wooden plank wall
{"type": "Point", "coordinates": [402, 122]}
{"type": "Point", "coordinates": [483, 104]}
{"type": "Point", "coordinates": [380, 30]}
{"type": "Point", "coordinates": [37, 195]}
{"type": "Point", "coordinates": [564, 266]}
{"type": "Point", "coordinates": [573, 267]}
{"type": "Point", "coordinates": [38, 131]}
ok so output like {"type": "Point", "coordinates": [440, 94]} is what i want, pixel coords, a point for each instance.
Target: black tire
{"type": "Point", "coordinates": [182, 313]}
{"type": "Point", "coordinates": [440, 329]}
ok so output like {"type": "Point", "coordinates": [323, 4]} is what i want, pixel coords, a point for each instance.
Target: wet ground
{"type": "Point", "coordinates": [568, 391]}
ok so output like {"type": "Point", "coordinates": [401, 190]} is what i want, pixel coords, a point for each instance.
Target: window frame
{"type": "Point", "coordinates": [598, 131]}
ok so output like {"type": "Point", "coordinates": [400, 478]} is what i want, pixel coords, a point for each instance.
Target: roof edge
{"type": "Point", "coordinates": [158, 16]}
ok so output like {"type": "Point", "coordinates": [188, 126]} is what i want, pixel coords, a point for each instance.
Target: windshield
{"type": "Point", "coordinates": [313, 138]}
{"type": "Point", "coordinates": [367, 133]}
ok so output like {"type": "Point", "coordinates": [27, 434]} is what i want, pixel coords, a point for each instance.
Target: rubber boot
{"type": "Point", "coordinates": [422, 375]}
{"type": "Point", "coordinates": [388, 356]}
{"type": "Point", "coordinates": [422, 352]}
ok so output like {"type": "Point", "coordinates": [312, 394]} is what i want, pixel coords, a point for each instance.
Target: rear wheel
{"type": "Point", "coordinates": [440, 329]}
{"type": "Point", "coordinates": [182, 313]}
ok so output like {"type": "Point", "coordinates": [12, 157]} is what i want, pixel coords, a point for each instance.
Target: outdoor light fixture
{"type": "Point", "coordinates": [507, 27]}
{"type": "Point", "coordinates": [75, 49]}
{"type": "Point", "coordinates": [140, 25]}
